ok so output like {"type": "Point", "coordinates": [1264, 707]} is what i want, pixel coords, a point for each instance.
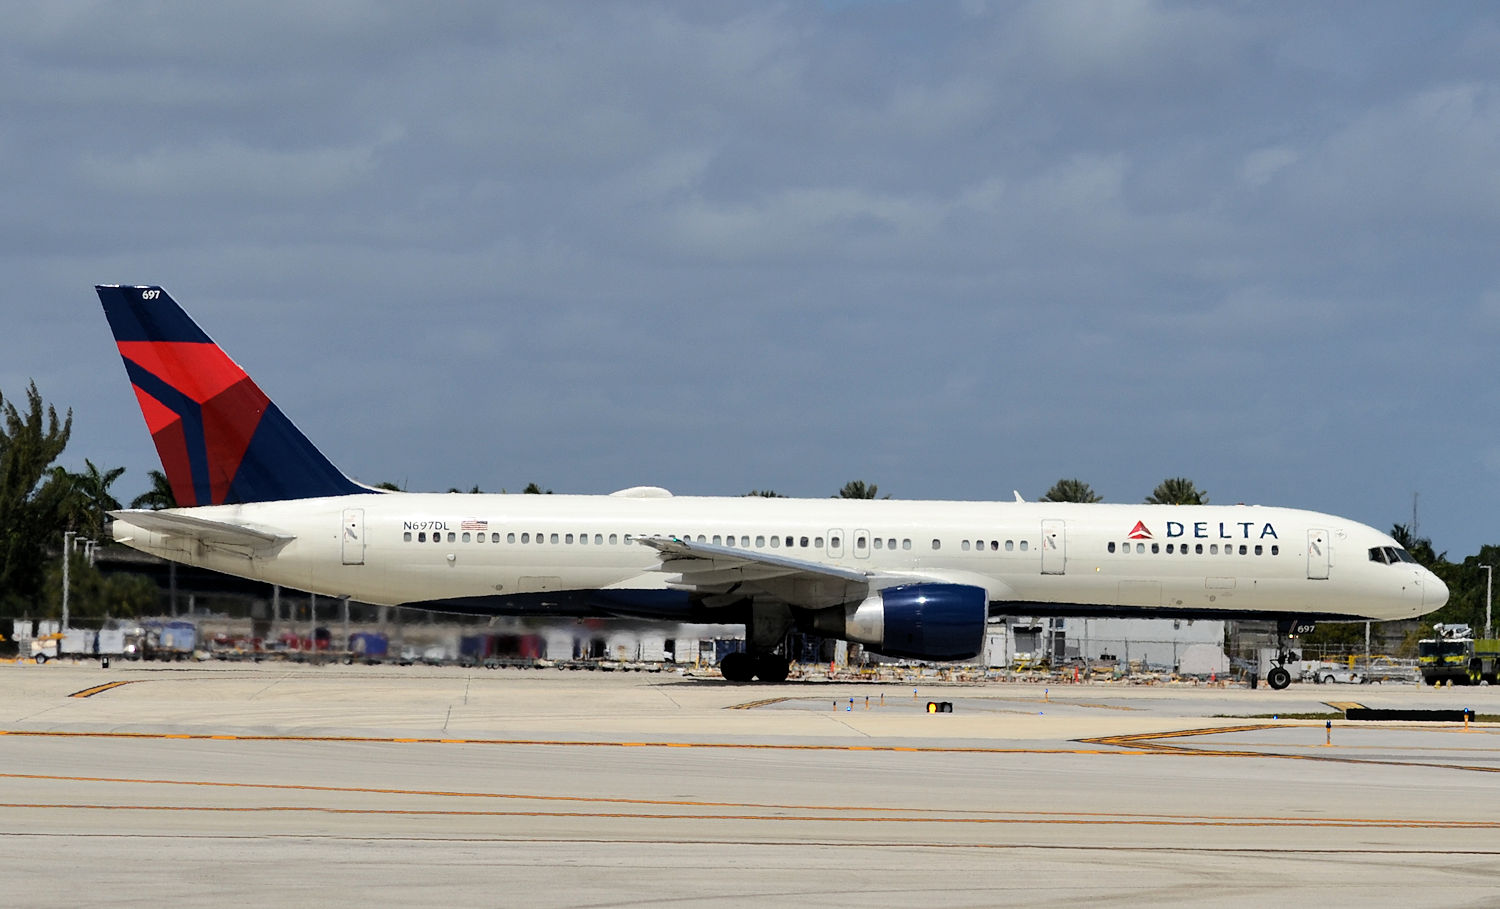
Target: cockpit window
{"type": "Point", "coordinates": [1390, 555]}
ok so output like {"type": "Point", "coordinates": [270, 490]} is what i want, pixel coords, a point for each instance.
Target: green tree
{"type": "Point", "coordinates": [534, 490]}
{"type": "Point", "coordinates": [1073, 490]}
{"type": "Point", "coordinates": [90, 498]}
{"type": "Point", "coordinates": [1419, 547]}
{"type": "Point", "coordinates": [1177, 491]}
{"type": "Point", "coordinates": [94, 595]}
{"type": "Point", "coordinates": [858, 489]}
{"type": "Point", "coordinates": [472, 491]}
{"type": "Point", "coordinates": [159, 496]}
{"type": "Point", "coordinates": [30, 520]}
{"type": "Point", "coordinates": [765, 494]}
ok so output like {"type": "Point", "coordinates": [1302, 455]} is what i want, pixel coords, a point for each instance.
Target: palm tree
{"type": "Point", "coordinates": [858, 489]}
{"type": "Point", "coordinates": [1073, 490]}
{"type": "Point", "coordinates": [534, 490]}
{"type": "Point", "coordinates": [1177, 491]}
{"type": "Point", "coordinates": [159, 496]}
{"type": "Point", "coordinates": [92, 487]}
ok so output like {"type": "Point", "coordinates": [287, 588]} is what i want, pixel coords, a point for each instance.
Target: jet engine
{"type": "Point", "coordinates": [917, 621]}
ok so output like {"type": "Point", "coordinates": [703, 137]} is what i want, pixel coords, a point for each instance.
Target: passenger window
{"type": "Point", "coordinates": [466, 536]}
{"type": "Point", "coordinates": [1275, 550]}
{"type": "Point", "coordinates": [790, 542]}
{"type": "Point", "coordinates": [1242, 549]}
{"type": "Point", "coordinates": [1025, 545]}
{"type": "Point", "coordinates": [569, 539]}
{"type": "Point", "coordinates": [406, 537]}
{"type": "Point", "coordinates": [879, 543]}
{"type": "Point", "coordinates": [437, 537]}
{"type": "Point", "coordinates": [525, 538]}
{"type": "Point", "coordinates": [1140, 548]}
{"type": "Point", "coordinates": [1169, 549]}
{"type": "Point", "coordinates": [1155, 548]}
{"type": "Point", "coordinates": [906, 544]}
{"type": "Point", "coordinates": [717, 539]}
{"type": "Point", "coordinates": [1198, 548]}
{"type": "Point", "coordinates": [554, 539]}
{"type": "Point", "coordinates": [1213, 549]}
{"type": "Point", "coordinates": [861, 543]}
{"type": "Point", "coordinates": [422, 537]}
{"type": "Point", "coordinates": [937, 544]}
{"type": "Point", "coordinates": [1111, 547]}
{"type": "Point", "coordinates": [1010, 546]}
{"type": "Point", "coordinates": [628, 538]}
{"type": "Point", "coordinates": [450, 537]}
{"type": "Point", "coordinates": [817, 542]}
{"type": "Point", "coordinates": [834, 542]}
{"type": "Point", "coordinates": [510, 537]}
{"type": "Point", "coordinates": [760, 541]}
{"type": "Point", "coordinates": [775, 542]}
{"type": "Point", "coordinates": [1257, 549]}
{"type": "Point", "coordinates": [994, 545]}
{"type": "Point", "coordinates": [964, 546]}
{"type": "Point", "coordinates": [804, 542]}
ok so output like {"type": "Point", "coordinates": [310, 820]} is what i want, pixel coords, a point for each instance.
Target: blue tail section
{"type": "Point", "coordinates": [221, 440]}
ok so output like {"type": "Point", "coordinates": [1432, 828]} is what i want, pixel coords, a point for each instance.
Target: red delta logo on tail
{"type": "Point", "coordinates": [1139, 532]}
{"type": "Point", "coordinates": [214, 414]}
{"type": "Point", "coordinates": [220, 439]}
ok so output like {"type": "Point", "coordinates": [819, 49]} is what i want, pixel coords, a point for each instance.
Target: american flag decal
{"type": "Point", "coordinates": [471, 524]}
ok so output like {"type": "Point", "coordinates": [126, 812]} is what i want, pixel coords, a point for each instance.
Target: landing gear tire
{"type": "Point", "coordinates": [771, 669]}
{"type": "Point", "coordinates": [737, 667]}
{"type": "Point", "coordinates": [1278, 678]}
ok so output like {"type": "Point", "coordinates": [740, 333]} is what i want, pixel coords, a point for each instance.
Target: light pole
{"type": "Point", "coordinates": [67, 557]}
{"type": "Point", "coordinates": [1489, 578]}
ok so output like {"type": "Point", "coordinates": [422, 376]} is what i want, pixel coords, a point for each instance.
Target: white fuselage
{"type": "Point", "coordinates": [1150, 559]}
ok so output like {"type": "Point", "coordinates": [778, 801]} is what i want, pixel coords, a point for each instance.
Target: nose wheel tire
{"type": "Point", "coordinates": [1278, 678]}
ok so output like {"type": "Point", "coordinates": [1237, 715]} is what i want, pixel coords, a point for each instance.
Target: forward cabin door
{"type": "Point", "coordinates": [1054, 547]}
{"type": "Point", "coordinates": [354, 536]}
{"type": "Point", "coordinates": [835, 543]}
{"type": "Point", "coordinates": [1317, 555]}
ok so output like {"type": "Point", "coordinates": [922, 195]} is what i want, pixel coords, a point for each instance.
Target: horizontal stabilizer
{"type": "Point", "coordinates": [203, 530]}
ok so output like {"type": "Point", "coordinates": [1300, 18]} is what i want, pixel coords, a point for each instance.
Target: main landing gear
{"type": "Point", "coordinates": [744, 666]}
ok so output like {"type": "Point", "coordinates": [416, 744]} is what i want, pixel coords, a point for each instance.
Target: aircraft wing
{"type": "Point", "coordinates": [725, 573]}
{"type": "Point", "coordinates": [208, 532]}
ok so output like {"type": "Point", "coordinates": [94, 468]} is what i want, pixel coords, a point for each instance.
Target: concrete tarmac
{"type": "Point", "coordinates": [288, 785]}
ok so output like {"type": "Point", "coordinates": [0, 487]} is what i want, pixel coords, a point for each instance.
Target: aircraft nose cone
{"type": "Point", "coordinates": [1434, 591]}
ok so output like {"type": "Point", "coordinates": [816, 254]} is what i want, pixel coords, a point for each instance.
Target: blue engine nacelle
{"type": "Point", "coordinates": [917, 621]}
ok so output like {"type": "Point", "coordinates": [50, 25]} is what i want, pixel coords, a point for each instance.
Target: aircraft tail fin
{"type": "Point", "coordinates": [220, 439]}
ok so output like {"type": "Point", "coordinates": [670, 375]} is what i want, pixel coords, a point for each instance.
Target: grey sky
{"type": "Point", "coordinates": [954, 249]}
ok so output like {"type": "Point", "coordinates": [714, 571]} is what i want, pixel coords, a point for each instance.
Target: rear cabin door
{"type": "Point", "coordinates": [1054, 547]}
{"type": "Point", "coordinates": [1317, 554]}
{"type": "Point", "coordinates": [354, 536]}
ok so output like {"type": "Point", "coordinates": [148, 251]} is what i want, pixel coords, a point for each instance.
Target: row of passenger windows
{"type": "Point", "coordinates": [861, 543]}
{"type": "Point", "coordinates": [994, 545]}
{"type": "Point", "coordinates": [1198, 548]}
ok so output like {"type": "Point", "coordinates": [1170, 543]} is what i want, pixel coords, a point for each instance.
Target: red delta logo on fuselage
{"type": "Point", "coordinates": [1209, 530]}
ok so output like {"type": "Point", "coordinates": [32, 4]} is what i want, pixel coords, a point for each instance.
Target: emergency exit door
{"type": "Point", "coordinates": [354, 536]}
{"type": "Point", "coordinates": [1317, 554]}
{"type": "Point", "coordinates": [1054, 547]}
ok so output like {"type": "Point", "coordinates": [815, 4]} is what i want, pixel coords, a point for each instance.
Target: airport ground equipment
{"type": "Point", "coordinates": [1455, 656]}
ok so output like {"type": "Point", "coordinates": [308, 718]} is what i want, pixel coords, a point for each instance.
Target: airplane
{"type": "Point", "coordinates": [907, 579]}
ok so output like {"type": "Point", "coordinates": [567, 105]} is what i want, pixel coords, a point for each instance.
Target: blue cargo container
{"type": "Point", "coordinates": [369, 645]}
